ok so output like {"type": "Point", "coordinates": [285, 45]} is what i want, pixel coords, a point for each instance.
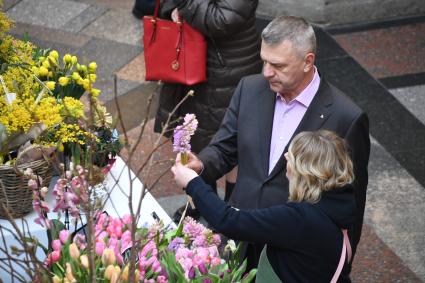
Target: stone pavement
{"type": "Point", "coordinates": [381, 66]}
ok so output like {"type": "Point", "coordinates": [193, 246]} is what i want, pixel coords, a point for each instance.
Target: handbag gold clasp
{"type": "Point", "coordinates": [175, 65]}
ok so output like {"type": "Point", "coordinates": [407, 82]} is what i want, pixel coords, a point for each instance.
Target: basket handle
{"type": "Point", "coordinates": [33, 146]}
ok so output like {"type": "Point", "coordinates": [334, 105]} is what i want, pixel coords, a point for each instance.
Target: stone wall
{"type": "Point", "coordinates": [334, 12]}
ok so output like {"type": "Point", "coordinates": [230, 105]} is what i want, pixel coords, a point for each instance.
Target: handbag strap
{"type": "Point", "coordinates": [346, 251]}
{"type": "Point", "coordinates": [175, 65]}
{"type": "Point", "coordinates": [156, 11]}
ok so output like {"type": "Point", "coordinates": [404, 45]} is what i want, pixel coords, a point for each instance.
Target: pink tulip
{"type": "Point", "coordinates": [64, 236]}
{"type": "Point", "coordinates": [55, 256]}
{"type": "Point", "coordinates": [57, 245]}
{"type": "Point", "coordinates": [126, 219]}
{"type": "Point", "coordinates": [100, 246]}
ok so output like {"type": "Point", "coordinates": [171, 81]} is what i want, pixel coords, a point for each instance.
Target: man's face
{"type": "Point", "coordinates": [283, 67]}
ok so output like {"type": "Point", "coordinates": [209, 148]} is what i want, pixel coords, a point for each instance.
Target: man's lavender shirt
{"type": "Point", "coordinates": [287, 116]}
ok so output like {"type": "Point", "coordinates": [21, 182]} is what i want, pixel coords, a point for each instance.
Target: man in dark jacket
{"type": "Point", "coordinates": [267, 110]}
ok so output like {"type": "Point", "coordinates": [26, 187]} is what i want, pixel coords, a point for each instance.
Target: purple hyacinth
{"type": "Point", "coordinates": [182, 134]}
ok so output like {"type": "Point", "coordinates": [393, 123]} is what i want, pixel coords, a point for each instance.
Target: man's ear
{"type": "Point", "coordinates": [309, 61]}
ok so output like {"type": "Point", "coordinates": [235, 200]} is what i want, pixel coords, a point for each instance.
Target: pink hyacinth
{"type": "Point", "coordinates": [183, 133]}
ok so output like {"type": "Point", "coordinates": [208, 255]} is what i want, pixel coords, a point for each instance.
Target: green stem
{"type": "Point", "coordinates": [184, 158]}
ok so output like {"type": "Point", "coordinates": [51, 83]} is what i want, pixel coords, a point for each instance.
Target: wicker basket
{"type": "Point", "coordinates": [14, 191]}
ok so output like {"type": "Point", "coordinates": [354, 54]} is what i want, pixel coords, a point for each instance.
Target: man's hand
{"type": "Point", "coordinates": [193, 162]}
{"type": "Point", "coordinates": [182, 174]}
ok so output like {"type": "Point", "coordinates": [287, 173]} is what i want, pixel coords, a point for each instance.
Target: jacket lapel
{"type": "Point", "coordinates": [317, 113]}
{"type": "Point", "coordinates": [265, 125]}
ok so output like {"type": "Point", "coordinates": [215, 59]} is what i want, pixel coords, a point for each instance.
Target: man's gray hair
{"type": "Point", "coordinates": [293, 29]}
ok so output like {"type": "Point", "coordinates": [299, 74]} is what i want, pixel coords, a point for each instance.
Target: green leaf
{"type": "Point", "coordinates": [237, 274]}
{"type": "Point", "coordinates": [57, 226]}
{"type": "Point", "coordinates": [174, 270]}
{"type": "Point", "coordinates": [250, 276]}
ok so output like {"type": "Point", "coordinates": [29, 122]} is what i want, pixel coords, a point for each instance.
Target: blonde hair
{"type": "Point", "coordinates": [318, 161]}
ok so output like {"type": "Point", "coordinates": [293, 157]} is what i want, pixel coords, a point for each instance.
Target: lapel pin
{"type": "Point", "coordinates": [321, 116]}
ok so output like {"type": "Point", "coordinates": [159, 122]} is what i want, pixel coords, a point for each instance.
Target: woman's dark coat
{"type": "Point", "coordinates": [304, 240]}
{"type": "Point", "coordinates": [233, 52]}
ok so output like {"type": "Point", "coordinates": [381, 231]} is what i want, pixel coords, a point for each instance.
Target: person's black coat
{"type": "Point", "coordinates": [304, 240]}
{"type": "Point", "coordinates": [229, 27]}
{"type": "Point", "coordinates": [244, 139]}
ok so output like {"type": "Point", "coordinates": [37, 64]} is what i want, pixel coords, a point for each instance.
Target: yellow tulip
{"type": "Point", "coordinates": [56, 279]}
{"type": "Point", "coordinates": [69, 274]}
{"type": "Point", "coordinates": [84, 68]}
{"type": "Point", "coordinates": [108, 257]}
{"type": "Point", "coordinates": [42, 71]}
{"type": "Point", "coordinates": [109, 271]}
{"type": "Point", "coordinates": [67, 58]}
{"type": "Point", "coordinates": [92, 78]}
{"type": "Point", "coordinates": [124, 274]}
{"type": "Point", "coordinates": [63, 81]}
{"type": "Point", "coordinates": [76, 76]}
{"type": "Point", "coordinates": [95, 92]}
{"type": "Point", "coordinates": [50, 85]}
{"type": "Point", "coordinates": [74, 252]}
{"type": "Point", "coordinates": [34, 69]}
{"type": "Point", "coordinates": [92, 67]}
{"type": "Point", "coordinates": [78, 67]}
{"type": "Point", "coordinates": [74, 60]}
{"type": "Point", "coordinates": [116, 275]}
{"type": "Point", "coordinates": [53, 60]}
{"type": "Point", "coordinates": [54, 54]}
{"type": "Point", "coordinates": [86, 84]}
{"type": "Point", "coordinates": [50, 74]}
{"type": "Point", "coordinates": [46, 64]}
{"type": "Point", "coordinates": [84, 261]}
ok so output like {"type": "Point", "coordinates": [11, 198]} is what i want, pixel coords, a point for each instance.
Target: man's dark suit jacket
{"type": "Point", "coordinates": [244, 136]}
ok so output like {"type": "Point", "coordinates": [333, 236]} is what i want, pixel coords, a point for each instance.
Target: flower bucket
{"type": "Point", "coordinates": [14, 192]}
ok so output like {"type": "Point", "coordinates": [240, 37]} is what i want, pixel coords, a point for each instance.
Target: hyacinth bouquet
{"type": "Point", "coordinates": [182, 135]}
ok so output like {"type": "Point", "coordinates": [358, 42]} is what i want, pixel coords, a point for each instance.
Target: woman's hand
{"type": "Point", "coordinates": [182, 174]}
{"type": "Point", "coordinates": [193, 162]}
{"type": "Point", "coordinates": [175, 15]}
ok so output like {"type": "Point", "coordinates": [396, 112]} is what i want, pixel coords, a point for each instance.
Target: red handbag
{"type": "Point", "coordinates": [174, 51]}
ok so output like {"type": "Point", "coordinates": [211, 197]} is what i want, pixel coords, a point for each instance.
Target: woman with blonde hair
{"type": "Point", "coordinates": [304, 238]}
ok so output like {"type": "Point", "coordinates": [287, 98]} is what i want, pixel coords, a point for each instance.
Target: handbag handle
{"type": "Point", "coordinates": [175, 65]}
{"type": "Point", "coordinates": [156, 11]}
{"type": "Point", "coordinates": [346, 251]}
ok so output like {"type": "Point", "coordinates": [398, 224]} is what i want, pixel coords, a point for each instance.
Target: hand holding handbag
{"type": "Point", "coordinates": [175, 52]}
